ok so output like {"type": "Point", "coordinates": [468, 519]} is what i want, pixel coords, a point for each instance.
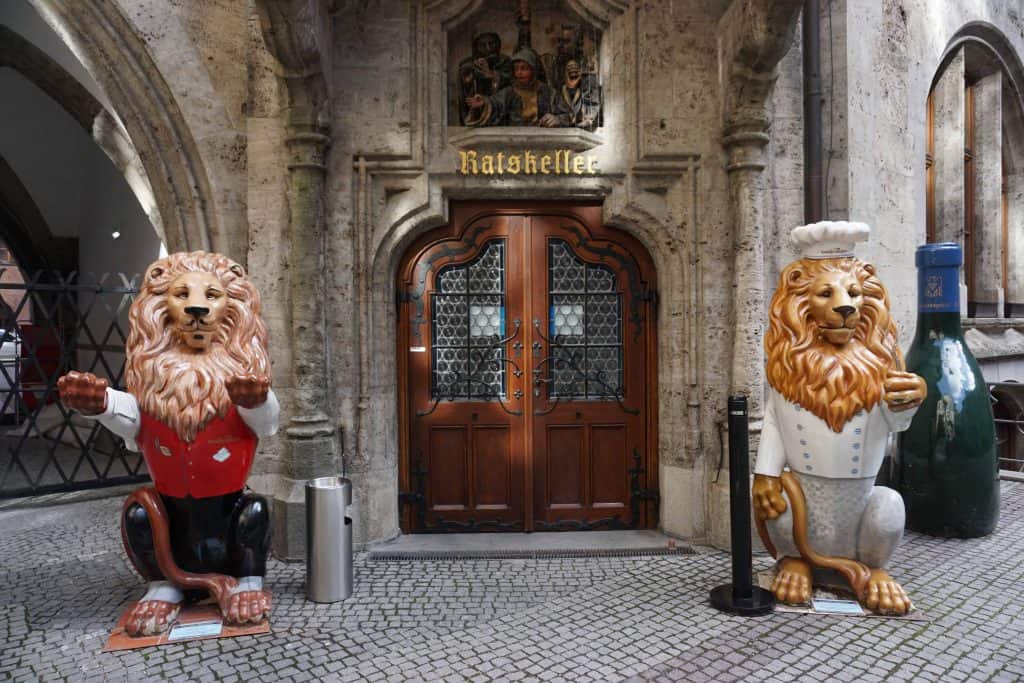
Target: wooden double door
{"type": "Point", "coordinates": [526, 372]}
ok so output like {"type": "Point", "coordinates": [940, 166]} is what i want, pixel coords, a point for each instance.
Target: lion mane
{"type": "Point", "coordinates": [179, 386]}
{"type": "Point", "coordinates": [832, 382]}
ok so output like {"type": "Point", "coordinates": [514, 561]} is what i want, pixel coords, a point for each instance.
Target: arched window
{"type": "Point", "coordinates": [975, 168]}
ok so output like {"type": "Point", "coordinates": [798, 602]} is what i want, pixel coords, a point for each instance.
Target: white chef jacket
{"type": "Point", "coordinates": [794, 436]}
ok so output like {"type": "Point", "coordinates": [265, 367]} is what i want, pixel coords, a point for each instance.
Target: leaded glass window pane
{"type": "Point", "coordinates": [486, 319]}
{"type": "Point", "coordinates": [567, 318]}
{"type": "Point", "coordinates": [603, 319]}
{"type": "Point", "coordinates": [467, 322]}
{"type": "Point", "coordinates": [585, 327]}
{"type": "Point", "coordinates": [567, 271]}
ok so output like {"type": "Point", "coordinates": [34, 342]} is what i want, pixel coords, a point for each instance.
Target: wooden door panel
{"type": "Point", "coordinates": [566, 466]}
{"type": "Point", "coordinates": [448, 465]}
{"type": "Point", "coordinates": [493, 467]}
{"type": "Point", "coordinates": [609, 466]}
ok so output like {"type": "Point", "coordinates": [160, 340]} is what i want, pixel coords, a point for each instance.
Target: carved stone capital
{"type": "Point", "coordinates": [756, 34]}
{"type": "Point", "coordinates": [297, 33]}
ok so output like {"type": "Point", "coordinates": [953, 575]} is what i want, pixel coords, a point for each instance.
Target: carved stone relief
{"type": "Point", "coordinates": [524, 63]}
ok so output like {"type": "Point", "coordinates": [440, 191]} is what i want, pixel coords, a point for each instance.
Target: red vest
{"type": "Point", "coordinates": [217, 462]}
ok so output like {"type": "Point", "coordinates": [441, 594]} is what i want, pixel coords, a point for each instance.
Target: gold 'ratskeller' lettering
{"type": "Point", "coordinates": [559, 162]}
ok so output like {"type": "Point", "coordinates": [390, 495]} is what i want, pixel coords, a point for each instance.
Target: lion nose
{"type": "Point", "coordinates": [845, 311]}
{"type": "Point", "coordinates": [197, 311]}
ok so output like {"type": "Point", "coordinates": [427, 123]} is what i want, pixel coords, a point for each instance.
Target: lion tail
{"type": "Point", "coordinates": [856, 573]}
{"type": "Point", "coordinates": [217, 584]}
{"type": "Point", "coordinates": [762, 531]}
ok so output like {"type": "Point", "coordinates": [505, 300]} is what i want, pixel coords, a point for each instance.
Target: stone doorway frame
{"type": "Point", "coordinates": [379, 428]}
{"type": "Point", "coordinates": [655, 196]}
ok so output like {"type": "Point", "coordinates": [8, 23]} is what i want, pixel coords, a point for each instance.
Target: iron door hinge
{"type": "Point", "coordinates": [409, 497]}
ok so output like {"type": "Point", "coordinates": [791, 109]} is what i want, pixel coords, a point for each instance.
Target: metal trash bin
{"type": "Point", "coordinates": [328, 539]}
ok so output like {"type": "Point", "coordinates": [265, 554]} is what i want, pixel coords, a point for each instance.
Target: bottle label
{"type": "Point", "coordinates": [938, 290]}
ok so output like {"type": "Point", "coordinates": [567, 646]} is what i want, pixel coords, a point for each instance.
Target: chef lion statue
{"type": "Point", "coordinates": [836, 389]}
{"type": "Point", "coordinates": [198, 400]}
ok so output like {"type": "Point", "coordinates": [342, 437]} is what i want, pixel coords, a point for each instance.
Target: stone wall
{"type": "Point", "coordinates": [878, 62]}
{"type": "Point", "coordinates": [692, 161]}
{"type": "Point", "coordinates": [884, 57]}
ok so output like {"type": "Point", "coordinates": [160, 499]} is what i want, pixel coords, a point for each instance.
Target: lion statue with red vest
{"type": "Point", "coordinates": [198, 399]}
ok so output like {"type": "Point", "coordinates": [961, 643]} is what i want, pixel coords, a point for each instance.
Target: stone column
{"type": "Point", "coordinates": [310, 435]}
{"type": "Point", "coordinates": [1015, 246]}
{"type": "Point", "coordinates": [294, 31]}
{"type": "Point", "coordinates": [755, 34]}
{"type": "Point", "coordinates": [745, 143]}
{"type": "Point", "coordinates": [987, 297]}
{"type": "Point", "coordinates": [948, 165]}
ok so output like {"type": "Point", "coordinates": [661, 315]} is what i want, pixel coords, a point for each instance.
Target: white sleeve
{"type": "Point", "coordinates": [898, 422]}
{"type": "Point", "coordinates": [262, 419]}
{"type": "Point", "coordinates": [771, 454]}
{"type": "Point", "coordinates": [121, 417]}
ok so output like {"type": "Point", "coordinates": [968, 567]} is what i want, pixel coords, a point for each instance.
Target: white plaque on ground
{"type": "Point", "coordinates": [836, 607]}
{"type": "Point", "coordinates": [202, 629]}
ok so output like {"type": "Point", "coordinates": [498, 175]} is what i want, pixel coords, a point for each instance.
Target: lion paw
{"type": "Point", "coordinates": [885, 596]}
{"type": "Point", "coordinates": [84, 392]}
{"type": "Point", "coordinates": [247, 607]}
{"type": "Point", "coordinates": [150, 617]}
{"type": "Point", "coordinates": [792, 584]}
{"type": "Point", "coordinates": [247, 391]}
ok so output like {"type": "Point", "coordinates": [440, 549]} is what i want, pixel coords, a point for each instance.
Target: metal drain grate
{"type": "Point", "coordinates": [450, 555]}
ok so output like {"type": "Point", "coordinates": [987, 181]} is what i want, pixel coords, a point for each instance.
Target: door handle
{"type": "Point", "coordinates": [537, 346]}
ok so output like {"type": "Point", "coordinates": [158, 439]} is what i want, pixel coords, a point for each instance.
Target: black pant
{"type": "Point", "coordinates": [227, 534]}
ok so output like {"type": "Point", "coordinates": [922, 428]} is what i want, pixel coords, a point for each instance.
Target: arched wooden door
{"type": "Point", "coordinates": [526, 363]}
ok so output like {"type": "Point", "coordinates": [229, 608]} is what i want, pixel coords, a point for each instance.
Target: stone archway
{"type": "Point", "coordinates": [1008, 408]}
{"type": "Point", "coordinates": [35, 65]}
{"type": "Point", "coordinates": [981, 57]}
{"type": "Point", "coordinates": [196, 207]}
{"type": "Point", "coordinates": [25, 230]}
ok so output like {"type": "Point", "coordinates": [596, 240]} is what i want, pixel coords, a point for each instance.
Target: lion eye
{"type": "Point", "coordinates": [826, 293]}
{"type": "Point", "coordinates": [853, 293]}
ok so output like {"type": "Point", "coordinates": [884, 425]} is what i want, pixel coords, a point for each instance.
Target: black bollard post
{"type": "Point", "coordinates": [741, 596]}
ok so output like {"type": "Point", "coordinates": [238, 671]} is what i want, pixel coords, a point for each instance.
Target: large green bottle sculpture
{"type": "Point", "coordinates": [948, 471]}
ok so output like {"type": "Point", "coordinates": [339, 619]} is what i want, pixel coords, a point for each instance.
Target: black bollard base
{"type": "Point", "coordinates": [760, 601]}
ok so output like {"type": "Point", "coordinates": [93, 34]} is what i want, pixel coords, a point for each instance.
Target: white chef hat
{"type": "Point", "coordinates": [829, 239]}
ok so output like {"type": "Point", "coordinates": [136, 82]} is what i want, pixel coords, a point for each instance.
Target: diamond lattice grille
{"type": "Point", "coordinates": [585, 325]}
{"type": "Point", "coordinates": [65, 322]}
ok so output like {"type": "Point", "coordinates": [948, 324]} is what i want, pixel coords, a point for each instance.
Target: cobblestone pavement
{"type": "Point", "coordinates": [64, 581]}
